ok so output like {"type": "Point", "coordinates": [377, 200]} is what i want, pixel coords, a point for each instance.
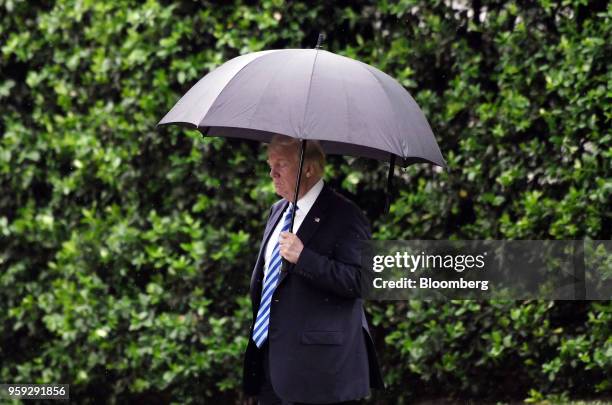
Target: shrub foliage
{"type": "Point", "coordinates": [126, 251]}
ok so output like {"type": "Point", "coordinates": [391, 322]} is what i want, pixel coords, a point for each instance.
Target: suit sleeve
{"type": "Point", "coordinates": [339, 273]}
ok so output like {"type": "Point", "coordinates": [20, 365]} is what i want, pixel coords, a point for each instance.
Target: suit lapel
{"type": "Point", "coordinates": [274, 218]}
{"type": "Point", "coordinates": [257, 275]}
{"type": "Point", "coordinates": [315, 216]}
{"type": "Point", "coordinates": [313, 219]}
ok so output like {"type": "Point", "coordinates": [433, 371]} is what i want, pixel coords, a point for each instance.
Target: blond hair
{"type": "Point", "coordinates": [314, 152]}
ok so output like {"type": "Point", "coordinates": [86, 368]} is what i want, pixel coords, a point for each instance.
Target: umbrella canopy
{"type": "Point", "coordinates": [350, 107]}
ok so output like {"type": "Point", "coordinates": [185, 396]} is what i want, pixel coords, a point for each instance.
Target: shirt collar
{"type": "Point", "coordinates": [307, 201]}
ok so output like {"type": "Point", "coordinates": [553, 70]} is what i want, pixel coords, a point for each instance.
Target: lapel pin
{"type": "Point", "coordinates": [317, 219]}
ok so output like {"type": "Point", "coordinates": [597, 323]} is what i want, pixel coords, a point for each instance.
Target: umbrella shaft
{"type": "Point", "coordinates": [295, 195]}
{"type": "Point", "coordinates": [299, 178]}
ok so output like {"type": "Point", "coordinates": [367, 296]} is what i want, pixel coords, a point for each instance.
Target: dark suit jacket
{"type": "Point", "coordinates": [320, 348]}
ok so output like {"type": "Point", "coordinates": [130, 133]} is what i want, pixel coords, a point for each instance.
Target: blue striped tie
{"type": "Point", "coordinates": [260, 330]}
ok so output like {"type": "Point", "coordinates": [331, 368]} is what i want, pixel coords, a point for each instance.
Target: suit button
{"type": "Point", "coordinates": [276, 300]}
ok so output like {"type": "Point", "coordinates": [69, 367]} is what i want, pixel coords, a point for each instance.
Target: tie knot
{"type": "Point", "coordinates": [291, 208]}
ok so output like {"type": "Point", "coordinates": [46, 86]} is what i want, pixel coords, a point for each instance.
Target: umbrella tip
{"type": "Point", "coordinates": [320, 40]}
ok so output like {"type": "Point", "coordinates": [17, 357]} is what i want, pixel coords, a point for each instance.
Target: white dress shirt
{"type": "Point", "coordinates": [304, 205]}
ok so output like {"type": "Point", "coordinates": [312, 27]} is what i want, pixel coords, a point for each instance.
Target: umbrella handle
{"type": "Point", "coordinates": [390, 183]}
{"type": "Point", "coordinates": [286, 264]}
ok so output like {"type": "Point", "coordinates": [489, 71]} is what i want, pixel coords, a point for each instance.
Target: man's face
{"type": "Point", "coordinates": [283, 170]}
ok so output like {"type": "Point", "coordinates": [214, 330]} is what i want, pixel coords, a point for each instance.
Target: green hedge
{"type": "Point", "coordinates": [126, 251]}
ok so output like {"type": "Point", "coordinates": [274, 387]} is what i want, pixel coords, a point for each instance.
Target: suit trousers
{"type": "Point", "coordinates": [267, 396]}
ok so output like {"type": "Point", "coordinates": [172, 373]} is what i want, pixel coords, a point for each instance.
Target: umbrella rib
{"type": "Point", "coordinates": [263, 93]}
{"type": "Point", "coordinates": [263, 54]}
{"type": "Point", "coordinates": [390, 105]}
{"type": "Point", "coordinates": [348, 109]}
{"type": "Point", "coordinates": [308, 94]}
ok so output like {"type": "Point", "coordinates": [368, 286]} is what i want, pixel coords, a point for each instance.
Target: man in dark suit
{"type": "Point", "coordinates": [309, 341]}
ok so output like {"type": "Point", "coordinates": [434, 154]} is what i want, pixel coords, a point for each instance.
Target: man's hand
{"type": "Point", "coordinates": [290, 246]}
